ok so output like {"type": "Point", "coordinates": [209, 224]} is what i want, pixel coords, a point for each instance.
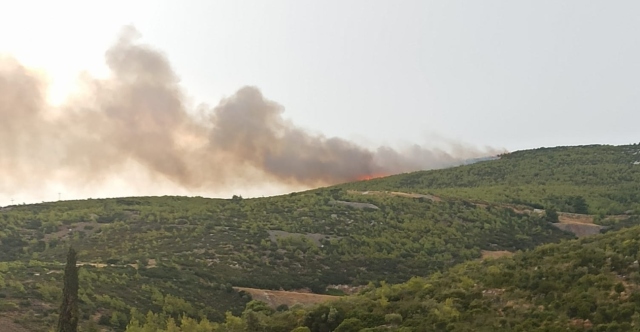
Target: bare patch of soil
{"type": "Point", "coordinates": [7, 325]}
{"type": "Point", "coordinates": [579, 229]}
{"type": "Point", "coordinates": [410, 195]}
{"type": "Point", "coordinates": [276, 298]}
{"type": "Point", "coordinates": [347, 289]}
{"type": "Point", "coordinates": [488, 254]}
{"type": "Point", "coordinates": [574, 218]}
{"type": "Point", "coordinates": [397, 193]}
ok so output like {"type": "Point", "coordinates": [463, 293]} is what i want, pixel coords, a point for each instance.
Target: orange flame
{"type": "Point", "coordinates": [368, 177]}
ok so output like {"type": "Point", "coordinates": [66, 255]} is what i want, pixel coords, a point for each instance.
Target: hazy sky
{"type": "Point", "coordinates": [507, 74]}
{"type": "Point", "coordinates": [513, 74]}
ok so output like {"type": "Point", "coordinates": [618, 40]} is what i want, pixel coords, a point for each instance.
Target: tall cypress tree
{"type": "Point", "coordinates": [68, 320]}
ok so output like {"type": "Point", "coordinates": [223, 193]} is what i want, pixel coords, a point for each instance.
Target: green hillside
{"type": "Point", "coordinates": [201, 247]}
{"type": "Point", "coordinates": [591, 284]}
{"type": "Point", "coordinates": [181, 255]}
{"type": "Point", "coordinates": [597, 179]}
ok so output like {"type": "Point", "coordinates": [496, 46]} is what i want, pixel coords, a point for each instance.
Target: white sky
{"type": "Point", "coordinates": [509, 74]}
{"type": "Point", "coordinates": [513, 74]}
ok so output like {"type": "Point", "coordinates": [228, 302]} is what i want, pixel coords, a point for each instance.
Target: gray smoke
{"type": "Point", "coordinates": [138, 116]}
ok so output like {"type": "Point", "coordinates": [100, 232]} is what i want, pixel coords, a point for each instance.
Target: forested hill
{"type": "Point", "coordinates": [592, 284]}
{"type": "Point", "coordinates": [596, 179]}
{"type": "Point", "coordinates": [188, 255]}
{"type": "Point", "coordinates": [178, 255]}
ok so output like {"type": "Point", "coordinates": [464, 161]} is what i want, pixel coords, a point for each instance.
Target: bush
{"type": "Point", "coordinates": [393, 319]}
{"type": "Point", "coordinates": [350, 325]}
{"type": "Point", "coordinates": [301, 329]}
{"type": "Point", "coordinates": [104, 320]}
{"type": "Point", "coordinates": [551, 215]}
{"type": "Point", "coordinates": [8, 306]}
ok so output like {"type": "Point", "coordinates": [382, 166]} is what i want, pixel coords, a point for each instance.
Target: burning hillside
{"type": "Point", "coordinates": [138, 116]}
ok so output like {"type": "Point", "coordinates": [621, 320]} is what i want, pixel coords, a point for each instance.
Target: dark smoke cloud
{"type": "Point", "coordinates": [138, 116]}
{"type": "Point", "coordinates": [252, 130]}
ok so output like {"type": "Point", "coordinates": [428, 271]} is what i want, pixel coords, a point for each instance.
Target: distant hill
{"type": "Point", "coordinates": [596, 179]}
{"type": "Point", "coordinates": [592, 284]}
{"type": "Point", "coordinates": [181, 255]}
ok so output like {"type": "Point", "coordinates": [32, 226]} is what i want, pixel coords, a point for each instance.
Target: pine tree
{"type": "Point", "coordinates": [68, 320]}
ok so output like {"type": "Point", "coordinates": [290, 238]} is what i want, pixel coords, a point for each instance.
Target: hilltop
{"type": "Point", "coordinates": [191, 255]}
{"type": "Point", "coordinates": [597, 179]}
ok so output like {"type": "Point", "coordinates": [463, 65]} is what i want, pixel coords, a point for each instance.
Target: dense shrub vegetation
{"type": "Point", "coordinates": [598, 179]}
{"type": "Point", "coordinates": [180, 257]}
{"type": "Point", "coordinates": [588, 284]}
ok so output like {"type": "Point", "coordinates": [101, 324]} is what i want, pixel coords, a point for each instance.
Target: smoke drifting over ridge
{"type": "Point", "coordinates": [137, 117]}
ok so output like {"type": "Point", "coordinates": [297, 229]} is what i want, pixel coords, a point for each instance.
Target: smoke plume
{"type": "Point", "coordinates": [137, 117]}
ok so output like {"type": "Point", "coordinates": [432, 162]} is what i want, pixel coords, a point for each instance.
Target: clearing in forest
{"type": "Point", "coordinates": [276, 298]}
{"type": "Point", "coordinates": [486, 254]}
